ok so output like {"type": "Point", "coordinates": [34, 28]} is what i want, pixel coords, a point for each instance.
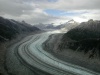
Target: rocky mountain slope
{"type": "Point", "coordinates": [85, 37]}
{"type": "Point", "coordinates": [10, 28]}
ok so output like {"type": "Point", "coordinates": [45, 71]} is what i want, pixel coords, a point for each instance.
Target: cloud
{"type": "Point", "coordinates": [33, 11]}
{"type": "Point", "coordinates": [14, 7]}
{"type": "Point", "coordinates": [69, 4]}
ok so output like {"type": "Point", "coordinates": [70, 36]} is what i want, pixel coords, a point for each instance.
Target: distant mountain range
{"type": "Point", "coordinates": [45, 26]}
{"type": "Point", "coordinates": [9, 28]}
{"type": "Point", "coordinates": [66, 26]}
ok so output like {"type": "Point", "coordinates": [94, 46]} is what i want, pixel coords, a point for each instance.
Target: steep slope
{"type": "Point", "coordinates": [85, 30]}
{"type": "Point", "coordinates": [10, 28]}
{"type": "Point", "coordinates": [85, 37]}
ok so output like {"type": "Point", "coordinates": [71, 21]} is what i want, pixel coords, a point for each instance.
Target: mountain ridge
{"type": "Point", "coordinates": [9, 28]}
{"type": "Point", "coordinates": [85, 37]}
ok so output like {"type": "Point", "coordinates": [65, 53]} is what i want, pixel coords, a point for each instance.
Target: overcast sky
{"type": "Point", "coordinates": [50, 11]}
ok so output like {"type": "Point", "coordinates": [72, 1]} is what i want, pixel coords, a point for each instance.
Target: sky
{"type": "Point", "coordinates": [50, 11]}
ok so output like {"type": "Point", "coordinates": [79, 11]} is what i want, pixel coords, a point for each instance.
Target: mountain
{"type": "Point", "coordinates": [45, 26]}
{"type": "Point", "coordinates": [85, 37]}
{"type": "Point", "coordinates": [71, 24]}
{"type": "Point", "coordinates": [68, 25]}
{"type": "Point", "coordinates": [9, 28]}
{"type": "Point", "coordinates": [85, 30]}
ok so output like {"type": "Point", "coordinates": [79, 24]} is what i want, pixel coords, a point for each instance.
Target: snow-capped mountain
{"type": "Point", "coordinates": [68, 25]}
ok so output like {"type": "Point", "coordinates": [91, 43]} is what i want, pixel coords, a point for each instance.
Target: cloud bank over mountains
{"type": "Point", "coordinates": [50, 11]}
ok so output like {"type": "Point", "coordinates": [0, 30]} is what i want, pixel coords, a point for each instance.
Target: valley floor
{"type": "Point", "coordinates": [68, 55]}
